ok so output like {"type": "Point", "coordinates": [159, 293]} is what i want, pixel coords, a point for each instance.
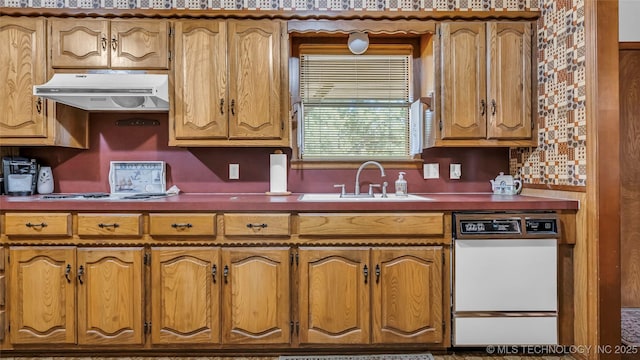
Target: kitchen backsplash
{"type": "Point", "coordinates": [206, 169]}
{"type": "Point", "coordinates": [560, 158]}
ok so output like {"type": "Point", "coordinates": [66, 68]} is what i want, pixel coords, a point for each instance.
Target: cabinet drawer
{"type": "Point", "coordinates": [38, 224]}
{"type": "Point", "coordinates": [372, 224]}
{"type": "Point", "coordinates": [109, 224]}
{"type": "Point", "coordinates": [257, 224]}
{"type": "Point", "coordinates": [182, 224]}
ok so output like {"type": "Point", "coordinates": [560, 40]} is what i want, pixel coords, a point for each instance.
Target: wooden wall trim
{"type": "Point", "coordinates": [555, 187]}
{"type": "Point", "coordinates": [603, 174]}
{"type": "Point", "coordinates": [629, 46]}
{"type": "Point", "coordinates": [275, 14]}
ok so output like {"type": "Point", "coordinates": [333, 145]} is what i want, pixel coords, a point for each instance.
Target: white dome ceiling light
{"type": "Point", "coordinates": [358, 42]}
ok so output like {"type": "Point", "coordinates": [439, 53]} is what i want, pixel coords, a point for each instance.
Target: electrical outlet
{"type": "Point", "coordinates": [455, 171]}
{"type": "Point", "coordinates": [431, 171]}
{"type": "Point", "coordinates": [234, 171]}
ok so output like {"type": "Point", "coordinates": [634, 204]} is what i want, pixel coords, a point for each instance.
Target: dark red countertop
{"type": "Point", "coordinates": [261, 202]}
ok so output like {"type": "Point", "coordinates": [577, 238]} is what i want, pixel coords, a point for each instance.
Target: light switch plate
{"type": "Point", "coordinates": [234, 171]}
{"type": "Point", "coordinates": [455, 171]}
{"type": "Point", "coordinates": [431, 171]}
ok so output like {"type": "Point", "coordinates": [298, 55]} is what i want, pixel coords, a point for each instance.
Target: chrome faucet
{"type": "Point", "coordinates": [364, 164]}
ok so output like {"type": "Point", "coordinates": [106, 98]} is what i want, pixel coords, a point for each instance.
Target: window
{"type": "Point", "coordinates": [356, 106]}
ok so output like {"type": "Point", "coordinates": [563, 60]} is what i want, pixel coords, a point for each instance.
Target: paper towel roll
{"type": "Point", "coordinates": [278, 173]}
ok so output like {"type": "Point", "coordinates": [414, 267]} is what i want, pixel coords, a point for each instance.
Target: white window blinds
{"type": "Point", "coordinates": [355, 106]}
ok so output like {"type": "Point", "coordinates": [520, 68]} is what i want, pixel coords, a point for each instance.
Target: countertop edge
{"type": "Point", "coordinates": [260, 202]}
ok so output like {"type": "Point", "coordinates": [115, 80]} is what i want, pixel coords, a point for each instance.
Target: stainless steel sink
{"type": "Point", "coordinates": [376, 197]}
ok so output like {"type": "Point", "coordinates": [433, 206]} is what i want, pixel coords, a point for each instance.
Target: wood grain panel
{"type": "Point", "coordinates": [141, 44]}
{"type": "Point", "coordinates": [182, 224]}
{"type": "Point", "coordinates": [110, 296]}
{"type": "Point", "coordinates": [509, 81]}
{"type": "Point", "coordinates": [201, 104]}
{"type": "Point", "coordinates": [256, 296]}
{"type": "Point", "coordinates": [254, 66]}
{"type": "Point", "coordinates": [109, 224]}
{"type": "Point", "coordinates": [257, 224]}
{"type": "Point", "coordinates": [464, 83]}
{"type": "Point", "coordinates": [334, 296]}
{"type": "Point", "coordinates": [407, 295]}
{"type": "Point", "coordinates": [37, 224]}
{"type": "Point", "coordinates": [630, 177]}
{"type": "Point", "coordinates": [42, 295]}
{"type": "Point", "coordinates": [79, 43]}
{"type": "Point", "coordinates": [185, 295]}
{"type": "Point", "coordinates": [371, 224]}
{"type": "Point", "coordinates": [22, 65]}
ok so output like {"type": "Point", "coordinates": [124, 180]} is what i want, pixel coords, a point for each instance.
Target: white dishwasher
{"type": "Point", "coordinates": [505, 279]}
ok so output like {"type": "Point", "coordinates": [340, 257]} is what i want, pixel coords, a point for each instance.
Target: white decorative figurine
{"type": "Point", "coordinates": [45, 180]}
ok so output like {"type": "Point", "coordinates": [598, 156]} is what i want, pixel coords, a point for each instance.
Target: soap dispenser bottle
{"type": "Point", "coordinates": [401, 185]}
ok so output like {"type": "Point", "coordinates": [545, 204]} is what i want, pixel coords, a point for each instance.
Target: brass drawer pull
{"type": "Point", "coordinates": [39, 105]}
{"type": "Point", "coordinates": [181, 226]}
{"type": "Point", "coordinates": [41, 225]}
{"type": "Point", "coordinates": [114, 225]}
{"type": "Point", "coordinates": [103, 42]}
{"type": "Point", "coordinates": [259, 226]}
{"type": "Point", "coordinates": [114, 43]}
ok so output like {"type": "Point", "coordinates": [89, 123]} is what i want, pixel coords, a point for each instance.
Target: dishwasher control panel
{"type": "Point", "coordinates": [505, 225]}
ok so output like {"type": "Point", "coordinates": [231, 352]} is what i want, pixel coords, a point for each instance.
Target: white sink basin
{"type": "Point", "coordinates": [377, 197]}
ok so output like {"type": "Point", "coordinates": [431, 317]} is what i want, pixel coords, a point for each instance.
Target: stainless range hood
{"type": "Point", "coordinates": [108, 92]}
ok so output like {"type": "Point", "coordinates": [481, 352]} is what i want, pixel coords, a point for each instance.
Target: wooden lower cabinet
{"type": "Point", "coordinates": [212, 295]}
{"type": "Point", "coordinates": [334, 295]}
{"type": "Point", "coordinates": [44, 284]}
{"type": "Point", "coordinates": [407, 295]}
{"type": "Point", "coordinates": [397, 292]}
{"type": "Point", "coordinates": [256, 295]}
{"type": "Point", "coordinates": [185, 295]}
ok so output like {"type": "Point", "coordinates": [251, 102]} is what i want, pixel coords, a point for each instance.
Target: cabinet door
{"type": "Point", "coordinates": [509, 88]}
{"type": "Point", "coordinates": [139, 44]}
{"type": "Point", "coordinates": [200, 98]}
{"type": "Point", "coordinates": [254, 89]}
{"type": "Point", "coordinates": [255, 294]}
{"type": "Point", "coordinates": [185, 295]}
{"type": "Point", "coordinates": [407, 295]}
{"type": "Point", "coordinates": [42, 295]}
{"type": "Point", "coordinates": [334, 295]}
{"type": "Point", "coordinates": [22, 65]}
{"type": "Point", "coordinates": [110, 306]}
{"type": "Point", "coordinates": [464, 107]}
{"type": "Point", "coordinates": [78, 43]}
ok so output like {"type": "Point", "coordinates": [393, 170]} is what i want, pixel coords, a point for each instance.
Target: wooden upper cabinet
{"type": "Point", "coordinates": [110, 296]}
{"type": "Point", "coordinates": [254, 67]}
{"type": "Point", "coordinates": [115, 44]}
{"type": "Point", "coordinates": [185, 295]}
{"type": "Point", "coordinates": [485, 84]}
{"type": "Point", "coordinates": [255, 296]}
{"type": "Point", "coordinates": [334, 295]}
{"type": "Point", "coordinates": [42, 295]}
{"type": "Point", "coordinates": [229, 83]}
{"type": "Point", "coordinates": [22, 65]}
{"type": "Point", "coordinates": [407, 292]}
{"type": "Point", "coordinates": [200, 99]}
{"type": "Point", "coordinates": [464, 81]}
{"type": "Point", "coordinates": [509, 87]}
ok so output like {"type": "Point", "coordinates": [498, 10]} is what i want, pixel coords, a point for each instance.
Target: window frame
{"type": "Point", "coordinates": [337, 44]}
